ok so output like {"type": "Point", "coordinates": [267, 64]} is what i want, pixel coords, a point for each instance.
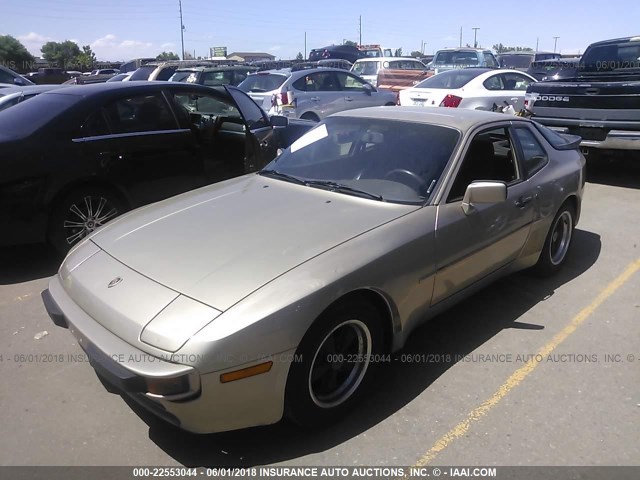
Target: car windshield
{"type": "Point", "coordinates": [262, 82]}
{"type": "Point", "coordinates": [142, 73]}
{"type": "Point", "coordinates": [515, 61]}
{"type": "Point", "coordinates": [385, 160]}
{"type": "Point", "coordinates": [366, 68]}
{"type": "Point", "coordinates": [26, 117]}
{"type": "Point", "coordinates": [179, 76]}
{"type": "Point", "coordinates": [451, 79]}
{"type": "Point", "coordinates": [620, 57]}
{"type": "Point", "coordinates": [456, 58]}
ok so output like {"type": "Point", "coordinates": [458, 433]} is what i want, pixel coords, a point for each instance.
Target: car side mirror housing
{"type": "Point", "coordinates": [483, 192]}
{"type": "Point", "coordinates": [279, 121]}
{"type": "Point", "coordinates": [368, 89]}
{"type": "Point", "coordinates": [19, 81]}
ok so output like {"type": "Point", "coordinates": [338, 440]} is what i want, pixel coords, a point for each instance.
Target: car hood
{"type": "Point", "coordinates": [219, 243]}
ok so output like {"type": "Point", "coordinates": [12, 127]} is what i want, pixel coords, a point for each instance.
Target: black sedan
{"type": "Point", "coordinates": [74, 158]}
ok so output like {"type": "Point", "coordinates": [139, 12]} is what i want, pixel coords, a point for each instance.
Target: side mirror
{"type": "Point", "coordinates": [279, 121]}
{"type": "Point", "coordinates": [368, 89]}
{"type": "Point", "coordinates": [483, 192]}
{"type": "Point", "coordinates": [19, 81]}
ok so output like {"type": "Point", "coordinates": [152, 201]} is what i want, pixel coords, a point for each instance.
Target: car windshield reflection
{"type": "Point", "coordinates": [393, 161]}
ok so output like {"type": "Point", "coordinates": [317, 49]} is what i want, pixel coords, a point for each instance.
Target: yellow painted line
{"type": "Point", "coordinates": [519, 375]}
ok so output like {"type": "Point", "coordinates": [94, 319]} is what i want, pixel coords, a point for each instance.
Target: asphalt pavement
{"type": "Point", "coordinates": [528, 371]}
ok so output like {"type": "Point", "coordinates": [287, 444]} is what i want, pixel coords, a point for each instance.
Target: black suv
{"type": "Point", "coordinates": [346, 52]}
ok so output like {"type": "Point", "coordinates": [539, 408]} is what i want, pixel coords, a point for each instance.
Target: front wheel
{"type": "Point", "coordinates": [335, 364]}
{"type": "Point", "coordinates": [557, 243]}
{"type": "Point", "coordinates": [81, 212]}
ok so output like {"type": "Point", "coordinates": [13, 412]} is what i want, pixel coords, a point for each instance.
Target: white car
{"type": "Point", "coordinates": [473, 88]}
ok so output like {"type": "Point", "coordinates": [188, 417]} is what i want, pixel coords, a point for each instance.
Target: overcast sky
{"type": "Point", "coordinates": [125, 29]}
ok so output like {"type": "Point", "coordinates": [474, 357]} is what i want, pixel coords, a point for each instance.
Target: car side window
{"type": "Point", "coordinates": [514, 81]}
{"type": "Point", "coordinates": [95, 125]}
{"type": "Point", "coordinates": [489, 157]}
{"type": "Point", "coordinates": [489, 60]}
{"type": "Point", "coordinates": [326, 82]}
{"type": "Point", "coordinates": [534, 156]}
{"type": "Point", "coordinates": [494, 82]}
{"type": "Point", "coordinates": [252, 113]}
{"type": "Point", "coordinates": [203, 104]}
{"type": "Point", "coordinates": [350, 82]}
{"type": "Point", "coordinates": [142, 113]}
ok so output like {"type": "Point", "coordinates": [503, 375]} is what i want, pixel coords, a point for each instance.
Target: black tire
{"type": "Point", "coordinates": [79, 213]}
{"type": "Point", "coordinates": [310, 116]}
{"type": "Point", "coordinates": [557, 243]}
{"type": "Point", "coordinates": [334, 367]}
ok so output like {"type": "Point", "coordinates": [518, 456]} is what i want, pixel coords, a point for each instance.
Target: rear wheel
{"type": "Point", "coordinates": [335, 366]}
{"type": "Point", "coordinates": [557, 243]}
{"type": "Point", "coordinates": [79, 213]}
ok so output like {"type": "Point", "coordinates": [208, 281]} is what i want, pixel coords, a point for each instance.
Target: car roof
{"type": "Point", "coordinates": [29, 89]}
{"type": "Point", "coordinates": [458, 118]}
{"type": "Point", "coordinates": [108, 87]}
{"type": "Point", "coordinates": [216, 69]}
{"type": "Point", "coordinates": [464, 49]}
{"type": "Point", "coordinates": [385, 59]}
{"type": "Point", "coordinates": [529, 52]}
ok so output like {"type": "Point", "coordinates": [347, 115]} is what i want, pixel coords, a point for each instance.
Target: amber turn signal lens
{"type": "Point", "coordinates": [246, 372]}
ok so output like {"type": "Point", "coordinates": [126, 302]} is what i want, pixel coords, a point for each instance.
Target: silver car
{"type": "Point", "coordinates": [314, 93]}
{"type": "Point", "coordinates": [279, 293]}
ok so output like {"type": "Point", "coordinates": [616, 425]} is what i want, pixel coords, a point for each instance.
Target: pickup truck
{"type": "Point", "coordinates": [601, 103]}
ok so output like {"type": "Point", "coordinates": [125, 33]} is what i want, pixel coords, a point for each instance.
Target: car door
{"type": "Point", "coordinates": [357, 93]}
{"type": "Point", "coordinates": [261, 141]}
{"type": "Point", "coordinates": [154, 157]}
{"type": "Point", "coordinates": [318, 93]}
{"type": "Point", "coordinates": [470, 246]}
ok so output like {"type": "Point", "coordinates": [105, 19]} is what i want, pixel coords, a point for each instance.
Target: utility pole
{"type": "Point", "coordinates": [555, 43]}
{"type": "Point", "coordinates": [360, 31]}
{"type": "Point", "coordinates": [305, 45]}
{"type": "Point", "coordinates": [537, 39]}
{"type": "Point", "coordinates": [460, 37]}
{"type": "Point", "coordinates": [181, 28]}
{"type": "Point", "coordinates": [422, 47]}
{"type": "Point", "coordinates": [475, 36]}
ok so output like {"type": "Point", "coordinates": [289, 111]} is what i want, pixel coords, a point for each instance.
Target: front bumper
{"type": "Point", "coordinates": [209, 406]}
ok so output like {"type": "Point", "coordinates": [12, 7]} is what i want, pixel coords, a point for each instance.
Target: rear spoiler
{"type": "Point", "coordinates": [573, 142]}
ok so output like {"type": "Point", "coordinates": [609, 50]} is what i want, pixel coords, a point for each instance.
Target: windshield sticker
{"type": "Point", "coordinates": [313, 136]}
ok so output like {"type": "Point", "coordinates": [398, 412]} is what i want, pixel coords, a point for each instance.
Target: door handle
{"type": "Point", "coordinates": [315, 99]}
{"type": "Point", "coordinates": [523, 201]}
{"type": "Point", "coordinates": [349, 99]}
{"type": "Point", "coordinates": [515, 99]}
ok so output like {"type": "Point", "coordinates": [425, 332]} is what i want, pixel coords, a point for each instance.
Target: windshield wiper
{"type": "Point", "coordinates": [339, 187]}
{"type": "Point", "coordinates": [284, 176]}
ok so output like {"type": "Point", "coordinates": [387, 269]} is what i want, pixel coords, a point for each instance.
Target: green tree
{"type": "Point", "coordinates": [14, 55]}
{"type": "Point", "coordinates": [500, 48]}
{"type": "Point", "coordinates": [416, 54]}
{"type": "Point", "coordinates": [299, 56]}
{"type": "Point", "coordinates": [398, 52]}
{"type": "Point", "coordinates": [61, 54]}
{"type": "Point", "coordinates": [350, 42]}
{"type": "Point", "coordinates": [167, 56]}
{"type": "Point", "coordinates": [85, 59]}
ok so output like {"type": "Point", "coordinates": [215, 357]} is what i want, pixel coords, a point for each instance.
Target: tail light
{"type": "Point", "coordinates": [451, 101]}
{"type": "Point", "coordinates": [285, 98]}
